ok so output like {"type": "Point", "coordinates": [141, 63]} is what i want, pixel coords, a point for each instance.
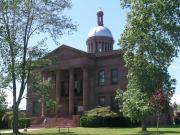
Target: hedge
{"type": "Point", "coordinates": [105, 117]}
{"type": "Point", "coordinates": [177, 121]}
{"type": "Point", "coordinates": [24, 122]}
{"type": "Point", "coordinates": [92, 121]}
{"type": "Point", "coordinates": [3, 124]}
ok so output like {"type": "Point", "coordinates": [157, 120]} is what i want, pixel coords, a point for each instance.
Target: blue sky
{"type": "Point", "coordinates": [83, 13]}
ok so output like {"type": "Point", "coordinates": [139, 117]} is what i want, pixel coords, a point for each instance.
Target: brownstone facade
{"type": "Point", "coordinates": [84, 80]}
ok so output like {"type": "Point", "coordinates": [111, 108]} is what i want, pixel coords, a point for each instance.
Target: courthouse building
{"type": "Point", "coordinates": [84, 80]}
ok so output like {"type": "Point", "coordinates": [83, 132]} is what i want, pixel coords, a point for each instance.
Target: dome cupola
{"type": "Point", "coordinates": [100, 17]}
{"type": "Point", "coordinates": [100, 38]}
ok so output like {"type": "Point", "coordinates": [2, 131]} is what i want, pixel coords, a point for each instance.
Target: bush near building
{"type": "Point", "coordinates": [104, 117]}
{"type": "Point", "coordinates": [177, 118]}
{"type": "Point", "coordinates": [3, 124]}
{"type": "Point", "coordinates": [24, 122]}
{"type": "Point", "coordinates": [7, 119]}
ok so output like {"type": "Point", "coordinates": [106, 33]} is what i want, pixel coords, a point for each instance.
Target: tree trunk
{"type": "Point", "coordinates": [15, 119]}
{"type": "Point", "coordinates": [42, 107]}
{"type": "Point", "coordinates": [157, 123]}
{"type": "Point", "coordinates": [144, 128]}
{"type": "Point", "coordinates": [15, 106]}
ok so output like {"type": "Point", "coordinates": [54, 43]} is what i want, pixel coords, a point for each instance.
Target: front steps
{"type": "Point", "coordinates": [54, 122]}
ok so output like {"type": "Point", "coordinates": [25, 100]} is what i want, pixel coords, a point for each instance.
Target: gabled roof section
{"type": "Point", "coordinates": [63, 46]}
{"type": "Point", "coordinates": [66, 52]}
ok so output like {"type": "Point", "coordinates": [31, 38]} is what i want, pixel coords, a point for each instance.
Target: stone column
{"type": "Point", "coordinates": [71, 91]}
{"type": "Point", "coordinates": [58, 87]}
{"type": "Point", "coordinates": [103, 46]}
{"type": "Point", "coordinates": [94, 46]}
{"type": "Point", "coordinates": [85, 89]}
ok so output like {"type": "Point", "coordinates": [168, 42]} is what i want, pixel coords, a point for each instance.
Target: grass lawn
{"type": "Point", "coordinates": [105, 131]}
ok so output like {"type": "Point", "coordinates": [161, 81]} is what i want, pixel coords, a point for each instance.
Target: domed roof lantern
{"type": "Point", "coordinates": [100, 17]}
{"type": "Point", "coordinates": [99, 38]}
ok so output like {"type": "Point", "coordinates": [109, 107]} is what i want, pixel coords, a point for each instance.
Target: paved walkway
{"type": "Point", "coordinates": [20, 130]}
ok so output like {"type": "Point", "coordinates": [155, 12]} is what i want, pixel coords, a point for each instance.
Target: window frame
{"type": "Point", "coordinates": [112, 77]}
{"type": "Point", "coordinates": [99, 101]}
{"type": "Point", "coordinates": [99, 79]}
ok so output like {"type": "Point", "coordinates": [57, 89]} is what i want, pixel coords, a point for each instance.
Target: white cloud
{"type": "Point", "coordinates": [174, 67]}
{"type": "Point", "coordinates": [176, 98]}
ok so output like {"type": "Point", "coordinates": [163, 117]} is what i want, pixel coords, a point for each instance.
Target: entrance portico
{"type": "Point", "coordinates": [76, 79]}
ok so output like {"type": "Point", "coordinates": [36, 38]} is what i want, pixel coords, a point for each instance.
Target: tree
{"type": "Point", "coordinates": [150, 41]}
{"type": "Point", "coordinates": [20, 21]}
{"type": "Point", "coordinates": [3, 103]}
{"type": "Point", "coordinates": [178, 107]}
{"type": "Point", "coordinates": [8, 117]}
{"type": "Point", "coordinates": [158, 102]}
{"type": "Point", "coordinates": [41, 89]}
{"type": "Point", "coordinates": [175, 108]}
{"type": "Point", "coordinates": [133, 104]}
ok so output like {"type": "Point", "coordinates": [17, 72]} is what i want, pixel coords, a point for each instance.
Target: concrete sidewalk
{"type": "Point", "coordinates": [20, 130]}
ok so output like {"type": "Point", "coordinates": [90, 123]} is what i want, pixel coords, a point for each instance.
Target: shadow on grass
{"type": "Point", "coordinates": [166, 126]}
{"type": "Point", "coordinates": [160, 132]}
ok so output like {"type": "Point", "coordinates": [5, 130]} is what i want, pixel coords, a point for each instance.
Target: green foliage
{"type": "Point", "coordinates": [24, 122]}
{"type": "Point", "coordinates": [39, 85]}
{"type": "Point", "coordinates": [104, 117]}
{"type": "Point", "coordinates": [96, 117]}
{"type": "Point", "coordinates": [91, 121]}
{"type": "Point", "coordinates": [42, 88]}
{"type": "Point", "coordinates": [3, 103]}
{"type": "Point", "coordinates": [178, 107]}
{"type": "Point", "coordinates": [101, 112]}
{"type": "Point", "coordinates": [97, 121]}
{"type": "Point", "coordinates": [150, 41]}
{"type": "Point", "coordinates": [50, 105]}
{"type": "Point", "coordinates": [169, 130]}
{"type": "Point", "coordinates": [177, 120]}
{"type": "Point", "coordinates": [3, 124]}
{"type": "Point", "coordinates": [8, 118]}
{"type": "Point", "coordinates": [133, 103]}
{"type": "Point", "coordinates": [22, 115]}
{"type": "Point", "coordinates": [20, 21]}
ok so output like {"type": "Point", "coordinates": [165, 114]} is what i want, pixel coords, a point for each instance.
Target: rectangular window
{"type": "Point", "coordinates": [36, 108]}
{"type": "Point", "coordinates": [114, 76]}
{"type": "Point", "coordinates": [101, 77]}
{"type": "Point", "coordinates": [101, 101]}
